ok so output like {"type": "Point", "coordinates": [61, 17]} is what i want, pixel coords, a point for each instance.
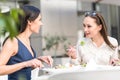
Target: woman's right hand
{"type": "Point", "coordinates": [71, 52]}
{"type": "Point", "coordinates": [34, 63]}
{"type": "Point", "coordinates": [46, 59]}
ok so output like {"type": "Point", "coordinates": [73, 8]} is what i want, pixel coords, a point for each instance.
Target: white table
{"type": "Point", "coordinates": [100, 74]}
{"type": "Point", "coordinates": [88, 75]}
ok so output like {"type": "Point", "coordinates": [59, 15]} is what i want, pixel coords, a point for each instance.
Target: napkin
{"type": "Point", "coordinates": [91, 65]}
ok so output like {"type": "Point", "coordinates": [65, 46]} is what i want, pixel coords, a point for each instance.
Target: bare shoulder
{"type": "Point", "coordinates": [113, 41]}
{"type": "Point", "coordinates": [11, 42]}
{"type": "Point", "coordinates": [11, 45]}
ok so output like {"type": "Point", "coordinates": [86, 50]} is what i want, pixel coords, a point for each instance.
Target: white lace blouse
{"type": "Point", "coordinates": [87, 50]}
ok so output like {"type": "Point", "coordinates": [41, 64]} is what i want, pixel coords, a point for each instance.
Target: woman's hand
{"type": "Point", "coordinates": [34, 63]}
{"type": "Point", "coordinates": [46, 59]}
{"type": "Point", "coordinates": [71, 52]}
{"type": "Point", "coordinates": [115, 62]}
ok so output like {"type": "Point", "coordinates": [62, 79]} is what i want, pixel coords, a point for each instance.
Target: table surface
{"type": "Point", "coordinates": [100, 73]}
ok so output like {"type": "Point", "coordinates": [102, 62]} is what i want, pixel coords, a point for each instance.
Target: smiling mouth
{"type": "Point", "coordinates": [86, 34]}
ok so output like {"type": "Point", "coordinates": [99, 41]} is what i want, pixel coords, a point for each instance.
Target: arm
{"type": "Point", "coordinates": [74, 54]}
{"type": "Point", "coordinates": [9, 49]}
{"type": "Point", "coordinates": [115, 56]}
{"type": "Point", "coordinates": [114, 42]}
{"type": "Point", "coordinates": [77, 59]}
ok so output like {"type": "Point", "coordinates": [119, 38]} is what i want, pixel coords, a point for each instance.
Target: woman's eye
{"type": "Point", "coordinates": [83, 25]}
{"type": "Point", "coordinates": [89, 26]}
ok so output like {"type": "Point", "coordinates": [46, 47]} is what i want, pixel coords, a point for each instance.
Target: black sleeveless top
{"type": "Point", "coordinates": [22, 55]}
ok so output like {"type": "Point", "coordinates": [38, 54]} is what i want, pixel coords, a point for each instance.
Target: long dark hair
{"type": "Point", "coordinates": [100, 21]}
{"type": "Point", "coordinates": [30, 13]}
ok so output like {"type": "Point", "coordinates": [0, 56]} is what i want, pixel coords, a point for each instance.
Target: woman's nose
{"type": "Point", "coordinates": [85, 29]}
{"type": "Point", "coordinates": [41, 24]}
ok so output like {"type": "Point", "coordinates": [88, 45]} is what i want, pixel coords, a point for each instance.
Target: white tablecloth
{"type": "Point", "coordinates": [100, 73]}
{"type": "Point", "coordinates": [3, 77]}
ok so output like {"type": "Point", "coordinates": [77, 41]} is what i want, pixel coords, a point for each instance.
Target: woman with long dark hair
{"type": "Point", "coordinates": [17, 57]}
{"type": "Point", "coordinates": [96, 45]}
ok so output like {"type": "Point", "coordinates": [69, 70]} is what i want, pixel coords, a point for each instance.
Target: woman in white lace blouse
{"type": "Point", "coordinates": [96, 44]}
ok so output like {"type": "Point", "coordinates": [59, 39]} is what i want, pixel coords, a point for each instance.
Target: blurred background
{"type": "Point", "coordinates": [62, 21]}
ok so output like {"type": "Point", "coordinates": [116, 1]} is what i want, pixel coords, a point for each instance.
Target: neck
{"type": "Point", "coordinates": [26, 34]}
{"type": "Point", "coordinates": [98, 40]}
{"type": "Point", "coordinates": [24, 37]}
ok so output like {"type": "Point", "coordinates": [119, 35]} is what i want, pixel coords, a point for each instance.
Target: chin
{"type": "Point", "coordinates": [36, 32]}
{"type": "Point", "coordinates": [88, 36]}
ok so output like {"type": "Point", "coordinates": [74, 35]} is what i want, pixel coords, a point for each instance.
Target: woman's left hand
{"type": "Point", "coordinates": [46, 59]}
{"type": "Point", "coordinates": [115, 62]}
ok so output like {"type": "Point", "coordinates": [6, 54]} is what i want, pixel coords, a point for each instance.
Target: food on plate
{"type": "Point", "coordinates": [62, 68]}
{"type": "Point", "coordinates": [59, 66]}
{"type": "Point", "coordinates": [83, 65]}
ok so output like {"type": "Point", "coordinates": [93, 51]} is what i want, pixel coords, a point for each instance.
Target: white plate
{"type": "Point", "coordinates": [53, 70]}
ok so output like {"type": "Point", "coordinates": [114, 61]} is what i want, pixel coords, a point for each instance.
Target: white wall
{"type": "Point", "coordinates": [59, 18]}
